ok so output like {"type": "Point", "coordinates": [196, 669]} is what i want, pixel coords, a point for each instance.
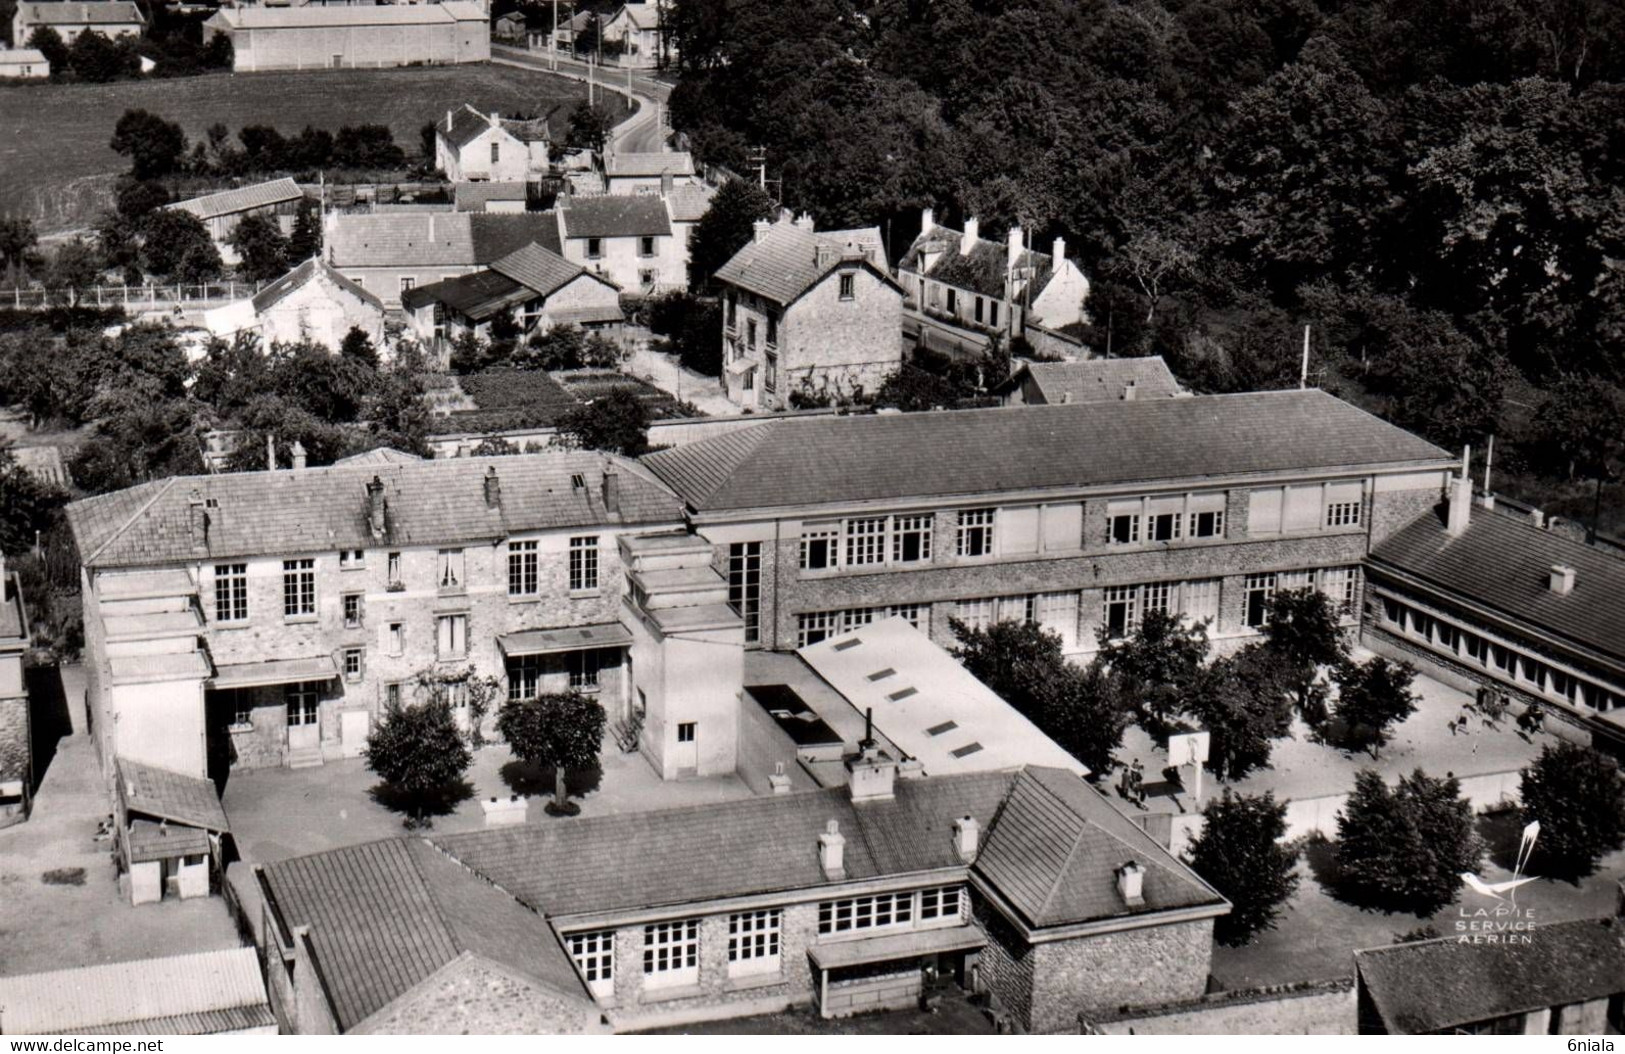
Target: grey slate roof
{"type": "Point", "coordinates": [649, 163]}
{"type": "Point", "coordinates": [312, 268]}
{"type": "Point", "coordinates": [469, 195]}
{"type": "Point", "coordinates": [478, 295]}
{"type": "Point", "coordinates": [76, 13]}
{"type": "Point", "coordinates": [497, 234]}
{"type": "Point", "coordinates": [1504, 564]}
{"type": "Point", "coordinates": [383, 455]}
{"type": "Point", "coordinates": [467, 124]}
{"type": "Point", "coordinates": [324, 509]}
{"type": "Point", "coordinates": [170, 796]}
{"type": "Point", "coordinates": [443, 239]}
{"type": "Point", "coordinates": [982, 269]}
{"type": "Point", "coordinates": [838, 460]}
{"type": "Point", "coordinates": [240, 199]}
{"type": "Point", "coordinates": [614, 216]}
{"type": "Point", "coordinates": [689, 202]}
{"type": "Point", "coordinates": [786, 262]}
{"type": "Point", "coordinates": [1097, 380]}
{"type": "Point", "coordinates": [1430, 986]}
{"type": "Point", "coordinates": [537, 268]}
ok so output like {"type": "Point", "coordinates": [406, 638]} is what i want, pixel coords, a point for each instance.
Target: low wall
{"type": "Point", "coordinates": [676, 431]}
{"type": "Point", "coordinates": [1321, 1008]}
{"type": "Point", "coordinates": [1054, 342]}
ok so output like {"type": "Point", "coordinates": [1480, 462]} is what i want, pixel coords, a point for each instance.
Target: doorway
{"type": "Point", "coordinates": [686, 759]}
{"type": "Point", "coordinates": [304, 718]}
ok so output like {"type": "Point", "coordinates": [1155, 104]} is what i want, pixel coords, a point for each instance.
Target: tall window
{"type": "Point", "coordinates": [1206, 518]}
{"type": "Point", "coordinates": [524, 677]}
{"type": "Point", "coordinates": [298, 588]}
{"type": "Point", "coordinates": [230, 592]}
{"type": "Point", "coordinates": [772, 328]}
{"type": "Point", "coordinates": [1259, 590]}
{"type": "Point", "coordinates": [352, 610]}
{"type": "Point", "coordinates": [302, 705]}
{"type": "Point", "coordinates": [849, 287]}
{"type": "Point", "coordinates": [451, 639]}
{"type": "Point", "coordinates": [393, 565]}
{"type": "Point", "coordinates": [911, 539]}
{"type": "Point", "coordinates": [1199, 600]}
{"type": "Point", "coordinates": [770, 372]}
{"type": "Point", "coordinates": [977, 614]}
{"type": "Point", "coordinates": [753, 942]}
{"type": "Point", "coordinates": [671, 953]}
{"type": "Point", "coordinates": [1123, 522]}
{"type": "Point", "coordinates": [745, 586]}
{"type": "Point", "coordinates": [496, 152]}
{"type": "Point", "coordinates": [1157, 597]}
{"type": "Point", "coordinates": [866, 541]}
{"type": "Point", "coordinates": [407, 282]}
{"type": "Point", "coordinates": [353, 664]}
{"type": "Point", "coordinates": [1338, 583]}
{"type": "Point", "coordinates": [395, 634]}
{"type": "Point", "coordinates": [646, 246]}
{"type": "Point", "coordinates": [975, 535]}
{"type": "Point", "coordinates": [594, 954]}
{"type": "Point", "coordinates": [750, 333]}
{"type": "Point", "coordinates": [449, 570]}
{"type": "Point", "coordinates": [595, 248]}
{"type": "Point", "coordinates": [522, 569]}
{"type": "Point", "coordinates": [1121, 613]}
{"type": "Point", "coordinates": [583, 667]}
{"type": "Point", "coordinates": [820, 546]}
{"type": "Point", "coordinates": [583, 563]}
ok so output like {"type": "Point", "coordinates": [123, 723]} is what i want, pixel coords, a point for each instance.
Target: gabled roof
{"type": "Point", "coordinates": [1504, 564]}
{"type": "Point", "coordinates": [981, 268]}
{"type": "Point", "coordinates": [189, 994]}
{"type": "Point", "coordinates": [74, 12]}
{"type": "Point", "coordinates": [359, 15]}
{"type": "Point", "coordinates": [789, 260]}
{"type": "Point", "coordinates": [1430, 986]}
{"type": "Point", "coordinates": [445, 239]}
{"type": "Point", "coordinates": [649, 163]}
{"type": "Point", "coordinates": [477, 296]}
{"type": "Point", "coordinates": [1096, 380]}
{"type": "Point", "coordinates": [642, 15]}
{"type": "Point", "coordinates": [614, 216]}
{"type": "Point", "coordinates": [168, 795]}
{"type": "Point", "coordinates": [241, 199]}
{"type": "Point", "coordinates": [469, 195]}
{"type": "Point", "coordinates": [474, 995]}
{"type": "Point", "coordinates": [840, 460]}
{"type": "Point", "coordinates": [496, 234]}
{"type": "Point", "coordinates": [324, 509]}
{"type": "Point", "coordinates": [311, 269]}
{"type": "Point", "coordinates": [467, 125]}
{"type": "Point", "coordinates": [20, 56]}
{"type": "Point", "coordinates": [688, 202]}
{"type": "Point", "coordinates": [537, 268]}
{"type": "Point", "coordinates": [383, 455]}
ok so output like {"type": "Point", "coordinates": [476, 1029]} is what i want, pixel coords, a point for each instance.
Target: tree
{"type": "Point", "coordinates": [28, 505]}
{"type": "Point", "coordinates": [617, 422]}
{"type": "Point", "coordinates": [358, 348]}
{"type": "Point", "coordinates": [138, 197]}
{"type": "Point", "coordinates": [558, 731]}
{"type": "Point", "coordinates": [154, 146]}
{"type": "Point", "coordinates": [367, 146]}
{"type": "Point", "coordinates": [1373, 695]}
{"type": "Point", "coordinates": [416, 749]}
{"type": "Point", "coordinates": [306, 239]}
{"type": "Point", "coordinates": [727, 226]}
{"type": "Point", "coordinates": [78, 264]}
{"type": "Point", "coordinates": [17, 241]}
{"type": "Point", "coordinates": [1241, 701]}
{"type": "Point", "coordinates": [464, 689]}
{"type": "Point", "coordinates": [1239, 853]}
{"type": "Point", "coordinates": [699, 339]}
{"type": "Point", "coordinates": [1157, 664]}
{"type": "Point", "coordinates": [177, 245]}
{"type": "Point", "coordinates": [1577, 796]}
{"type": "Point", "coordinates": [1405, 848]}
{"type": "Point", "coordinates": [264, 148]}
{"type": "Point", "coordinates": [1301, 627]}
{"type": "Point", "coordinates": [262, 248]}
{"type": "Point", "coordinates": [48, 42]}
{"type": "Point", "coordinates": [589, 127]}
{"type": "Point", "coordinates": [97, 59]}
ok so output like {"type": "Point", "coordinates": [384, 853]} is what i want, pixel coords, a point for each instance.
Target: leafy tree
{"type": "Point", "coordinates": [97, 59]}
{"type": "Point", "coordinates": [589, 127]}
{"type": "Point", "coordinates": [264, 148]}
{"type": "Point", "coordinates": [558, 731]}
{"type": "Point", "coordinates": [176, 244]}
{"type": "Point", "coordinates": [1301, 628]}
{"type": "Point", "coordinates": [358, 347]}
{"type": "Point", "coordinates": [1577, 796]}
{"type": "Point", "coordinates": [1012, 658]}
{"type": "Point", "coordinates": [1241, 701]}
{"type": "Point", "coordinates": [1405, 848]}
{"type": "Point", "coordinates": [306, 239]}
{"type": "Point", "coordinates": [136, 440]}
{"type": "Point", "coordinates": [262, 248]}
{"type": "Point", "coordinates": [1157, 664]}
{"type": "Point", "coordinates": [1373, 695]}
{"type": "Point", "coordinates": [48, 42]}
{"type": "Point", "coordinates": [310, 149]}
{"type": "Point", "coordinates": [28, 505]}
{"type": "Point", "coordinates": [1579, 423]}
{"type": "Point", "coordinates": [462, 687]}
{"type": "Point", "coordinates": [416, 749]}
{"type": "Point", "coordinates": [727, 226]}
{"type": "Point", "coordinates": [367, 146]}
{"type": "Point", "coordinates": [699, 339]}
{"type": "Point", "coordinates": [617, 422]}
{"type": "Point", "coordinates": [17, 242]}
{"type": "Point", "coordinates": [78, 264]}
{"type": "Point", "coordinates": [154, 146]}
{"type": "Point", "coordinates": [1239, 853]}
{"type": "Point", "coordinates": [138, 197]}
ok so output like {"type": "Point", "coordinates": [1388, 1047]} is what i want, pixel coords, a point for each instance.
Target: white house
{"type": "Point", "coordinates": [312, 302]}
{"type": "Point", "coordinates": [472, 146]}
{"type": "Point", "coordinates": [628, 173]}
{"type": "Point", "coordinates": [23, 64]}
{"type": "Point", "coordinates": [641, 27]}
{"type": "Point", "coordinates": [627, 239]}
{"type": "Point", "coordinates": [110, 18]}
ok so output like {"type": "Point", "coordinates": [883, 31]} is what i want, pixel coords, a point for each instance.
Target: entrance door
{"type": "Point", "coordinates": [687, 756]}
{"type": "Point", "coordinates": [338, 61]}
{"type": "Point", "coordinates": [304, 724]}
{"type": "Point", "coordinates": [353, 728]}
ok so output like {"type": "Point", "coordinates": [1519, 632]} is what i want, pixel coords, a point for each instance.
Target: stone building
{"type": "Point", "coordinates": [110, 18]}
{"type": "Point", "coordinates": [810, 312]}
{"type": "Point", "coordinates": [625, 238]}
{"type": "Point", "coordinates": [1089, 381]}
{"type": "Point", "coordinates": [634, 172]}
{"type": "Point", "coordinates": [390, 253]}
{"type": "Point", "coordinates": [278, 200]}
{"type": "Point", "coordinates": [16, 723]}
{"type": "Point", "coordinates": [24, 64]}
{"type": "Point", "coordinates": [1077, 517]}
{"type": "Point", "coordinates": [470, 146]}
{"type": "Point", "coordinates": [313, 302]}
{"type": "Point", "coordinates": [642, 30]}
{"type": "Point", "coordinates": [316, 36]}
{"type": "Point", "coordinates": [1026, 885]}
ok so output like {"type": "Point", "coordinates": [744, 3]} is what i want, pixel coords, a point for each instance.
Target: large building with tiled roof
{"type": "Point", "coordinates": [626, 238]}
{"type": "Point", "coordinates": [1024, 884]}
{"type": "Point", "coordinates": [390, 253]}
{"type": "Point", "coordinates": [1079, 517]}
{"type": "Point", "coordinates": [810, 312]}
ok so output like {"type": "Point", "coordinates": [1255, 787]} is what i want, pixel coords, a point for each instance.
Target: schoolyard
{"type": "Point", "coordinates": [56, 166]}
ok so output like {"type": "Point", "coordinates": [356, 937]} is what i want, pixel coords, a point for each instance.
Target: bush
{"type": "Point", "coordinates": [1240, 854]}
{"type": "Point", "coordinates": [1405, 848]}
{"type": "Point", "coordinates": [1576, 795]}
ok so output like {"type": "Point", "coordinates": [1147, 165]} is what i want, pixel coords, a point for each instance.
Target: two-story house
{"type": "Point", "coordinates": [633, 172]}
{"type": "Point", "coordinates": [388, 253]}
{"type": "Point", "coordinates": [312, 302]}
{"type": "Point", "coordinates": [110, 18]}
{"type": "Point", "coordinates": [625, 238]}
{"type": "Point", "coordinates": [641, 28]}
{"type": "Point", "coordinates": [470, 146]}
{"type": "Point", "coordinates": [16, 727]}
{"type": "Point", "coordinates": [810, 312]}
{"type": "Point", "coordinates": [1078, 517]}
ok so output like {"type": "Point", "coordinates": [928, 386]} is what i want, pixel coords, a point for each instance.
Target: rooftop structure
{"type": "Point", "coordinates": [189, 995]}
{"type": "Point", "coordinates": [1089, 381]}
{"type": "Point", "coordinates": [788, 258]}
{"type": "Point", "coordinates": [241, 199]}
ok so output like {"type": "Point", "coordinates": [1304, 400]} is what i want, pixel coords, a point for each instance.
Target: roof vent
{"type": "Point", "coordinates": [832, 852]}
{"type": "Point", "coordinates": [1562, 579]}
{"type": "Point", "coordinates": [1131, 884]}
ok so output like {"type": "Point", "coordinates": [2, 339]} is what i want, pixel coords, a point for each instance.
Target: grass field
{"type": "Point", "coordinates": [56, 167]}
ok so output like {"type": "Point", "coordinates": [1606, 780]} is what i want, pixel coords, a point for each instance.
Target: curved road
{"type": "Point", "coordinates": [642, 131]}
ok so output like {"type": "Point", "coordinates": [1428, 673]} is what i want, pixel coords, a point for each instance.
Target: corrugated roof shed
{"type": "Point", "coordinates": [1505, 564]}
{"type": "Point", "coordinates": [241, 199]}
{"type": "Point", "coordinates": [203, 984]}
{"type": "Point", "coordinates": [614, 216]}
{"type": "Point", "coordinates": [1097, 380]}
{"type": "Point", "coordinates": [838, 460]}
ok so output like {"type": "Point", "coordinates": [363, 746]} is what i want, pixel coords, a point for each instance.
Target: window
{"type": "Point", "coordinates": [1121, 612]}
{"type": "Point", "coordinates": [1302, 508]}
{"type": "Point", "coordinates": [1018, 531]}
{"type": "Point", "coordinates": [352, 559]}
{"type": "Point", "coordinates": [772, 329]}
{"type": "Point", "coordinates": [911, 539]}
{"type": "Point", "coordinates": [1259, 590]}
{"type": "Point", "coordinates": [1199, 600]}
{"type": "Point", "coordinates": [753, 942]}
{"type": "Point", "coordinates": [395, 635]}
{"type": "Point", "coordinates": [646, 245]}
{"type": "Point", "coordinates": [993, 313]}
{"type": "Point", "coordinates": [814, 626]}
{"type": "Point", "coordinates": [451, 636]}
{"type": "Point", "coordinates": [687, 731]}
{"type": "Point", "coordinates": [1021, 608]}
{"type": "Point", "coordinates": [770, 373]}
{"type": "Point", "coordinates": [392, 694]}
{"type": "Point", "coordinates": [848, 287]}
{"type": "Point", "coordinates": [977, 614]}
{"type": "Point", "coordinates": [865, 913]}
{"type": "Point", "coordinates": [352, 610]}
{"type": "Point", "coordinates": [1122, 522]}
{"type": "Point", "coordinates": [953, 301]}
{"type": "Point", "coordinates": [1205, 516]}
{"type": "Point", "coordinates": [595, 248]}
{"type": "Point", "coordinates": [525, 677]}
{"type": "Point", "coordinates": [393, 563]}
{"type": "Point", "coordinates": [750, 333]}
{"type": "Point", "coordinates": [449, 571]}
{"type": "Point", "coordinates": [230, 592]}
{"type": "Point", "coordinates": [407, 282]}
{"type": "Point", "coordinates": [941, 903]}
{"type": "Point", "coordinates": [671, 953]}
{"type": "Point", "coordinates": [978, 309]}
{"type": "Point", "coordinates": [745, 586]}
{"type": "Point", "coordinates": [1264, 511]}
{"type": "Point", "coordinates": [583, 563]}
{"type": "Point", "coordinates": [496, 153]}
{"type": "Point", "coordinates": [866, 541]}
{"type": "Point", "coordinates": [302, 709]}
{"type": "Point", "coordinates": [522, 569]}
{"type": "Point", "coordinates": [1338, 583]}
{"type": "Point", "coordinates": [975, 536]}
{"type": "Point", "coordinates": [733, 312]}
{"type": "Point", "coordinates": [583, 667]}
{"type": "Point", "coordinates": [820, 547]}
{"type": "Point", "coordinates": [298, 588]}
{"type": "Point", "coordinates": [352, 664]}
{"type": "Point", "coordinates": [242, 705]}
{"type": "Point", "coordinates": [1164, 518]}
{"type": "Point", "coordinates": [594, 954]}
{"type": "Point", "coordinates": [1058, 613]}
{"type": "Point", "coordinates": [1156, 597]}
{"type": "Point", "coordinates": [913, 614]}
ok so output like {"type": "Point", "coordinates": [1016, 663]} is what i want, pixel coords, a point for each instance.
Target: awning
{"type": "Point", "coordinates": [154, 669]}
{"type": "Point", "coordinates": [896, 946]}
{"type": "Point", "coordinates": [274, 671]}
{"type": "Point", "coordinates": [575, 638]}
{"type": "Point", "coordinates": [740, 366]}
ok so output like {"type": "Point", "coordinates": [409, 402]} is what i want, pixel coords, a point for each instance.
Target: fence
{"type": "Point", "coordinates": [131, 298]}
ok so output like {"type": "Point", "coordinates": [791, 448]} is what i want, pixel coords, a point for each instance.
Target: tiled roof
{"type": "Point", "coordinates": [643, 15]}
{"type": "Point", "coordinates": [20, 56]}
{"type": "Point", "coordinates": [1505, 564]}
{"type": "Point", "coordinates": [204, 1023]}
{"type": "Point", "coordinates": [405, 239]}
{"type": "Point", "coordinates": [312, 268]}
{"type": "Point", "coordinates": [324, 509]}
{"type": "Point", "coordinates": [787, 261]}
{"type": "Point", "coordinates": [471, 194]}
{"type": "Point", "coordinates": [170, 796]}
{"type": "Point", "coordinates": [1429, 986]}
{"type": "Point", "coordinates": [1054, 853]}
{"type": "Point", "coordinates": [479, 295]}
{"type": "Point", "coordinates": [1097, 380]}
{"type": "Point", "coordinates": [810, 461]}
{"type": "Point", "coordinates": [537, 268]}
{"type": "Point", "coordinates": [369, 15]}
{"type": "Point", "coordinates": [651, 163]}
{"type": "Point", "coordinates": [383, 455]}
{"type": "Point", "coordinates": [72, 12]}
{"type": "Point", "coordinates": [241, 199]}
{"type": "Point", "coordinates": [497, 234]}
{"type": "Point", "coordinates": [145, 841]}
{"type": "Point", "coordinates": [982, 269]}
{"type": "Point", "coordinates": [689, 202]}
{"type": "Point", "coordinates": [95, 997]}
{"type": "Point", "coordinates": [474, 995]}
{"type": "Point", "coordinates": [614, 216]}
{"type": "Point", "coordinates": [467, 125]}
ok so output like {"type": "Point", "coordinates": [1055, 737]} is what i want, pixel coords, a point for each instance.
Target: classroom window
{"type": "Point", "coordinates": [230, 592]}
{"type": "Point", "coordinates": [1260, 588]}
{"type": "Point", "coordinates": [594, 954]}
{"type": "Point", "coordinates": [524, 677]}
{"type": "Point", "coordinates": [1058, 613]}
{"type": "Point", "coordinates": [302, 704]}
{"type": "Point", "coordinates": [753, 942]}
{"type": "Point", "coordinates": [943, 902]}
{"type": "Point", "coordinates": [1199, 600]}
{"type": "Point", "coordinates": [814, 626]}
{"type": "Point", "coordinates": [1343, 514]}
{"type": "Point", "coordinates": [820, 546]}
{"type": "Point", "coordinates": [745, 586]}
{"type": "Point", "coordinates": [1156, 597]}
{"type": "Point", "coordinates": [1121, 613]}
{"type": "Point", "coordinates": [1206, 524]}
{"type": "Point", "coordinates": [353, 664]}
{"type": "Point", "coordinates": [976, 614]}
{"type": "Point", "coordinates": [1122, 522]}
{"type": "Point", "coordinates": [671, 953]}
{"type": "Point", "coordinates": [866, 541]}
{"type": "Point", "coordinates": [1339, 583]}
{"type": "Point", "coordinates": [583, 563]}
{"type": "Point", "coordinates": [864, 913]}
{"type": "Point", "coordinates": [298, 588]}
{"type": "Point", "coordinates": [975, 534]}
{"type": "Point", "coordinates": [911, 539]}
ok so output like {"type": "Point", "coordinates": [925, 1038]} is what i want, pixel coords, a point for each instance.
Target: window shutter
{"type": "Point", "coordinates": [1063, 527]}
{"type": "Point", "coordinates": [1264, 511]}
{"type": "Point", "coordinates": [1018, 530]}
{"type": "Point", "coordinates": [1128, 507]}
{"type": "Point", "coordinates": [1302, 508]}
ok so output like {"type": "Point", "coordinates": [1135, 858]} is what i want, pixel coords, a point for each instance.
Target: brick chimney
{"type": "Point", "coordinates": [496, 119]}
{"type": "Point", "coordinates": [493, 488]}
{"type": "Point", "coordinates": [759, 230]}
{"type": "Point", "coordinates": [1562, 579]}
{"type": "Point", "coordinates": [1012, 252]}
{"type": "Point", "coordinates": [1131, 884]}
{"type": "Point", "coordinates": [1460, 508]}
{"type": "Point", "coordinates": [872, 774]}
{"type": "Point", "coordinates": [832, 851]}
{"type": "Point", "coordinates": [667, 182]}
{"type": "Point", "coordinates": [197, 523]}
{"type": "Point", "coordinates": [928, 221]}
{"type": "Point", "coordinates": [973, 231]}
{"type": "Point", "coordinates": [967, 838]}
{"type": "Point", "coordinates": [1130, 391]}
{"type": "Point", "coordinates": [299, 458]}
{"type": "Point", "coordinates": [612, 490]}
{"type": "Point", "coordinates": [448, 120]}
{"type": "Point", "coordinates": [376, 507]}
{"type": "Point", "coordinates": [270, 454]}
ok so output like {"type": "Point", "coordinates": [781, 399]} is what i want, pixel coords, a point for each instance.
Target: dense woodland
{"type": "Point", "coordinates": [1439, 189]}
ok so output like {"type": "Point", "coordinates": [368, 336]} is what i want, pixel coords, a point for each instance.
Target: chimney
{"type": "Point", "coordinates": [832, 852]}
{"type": "Point", "coordinates": [805, 222]}
{"type": "Point", "coordinates": [823, 254]}
{"type": "Point", "coordinates": [1058, 251]}
{"type": "Point", "coordinates": [973, 231]}
{"type": "Point", "coordinates": [298, 452]}
{"type": "Point", "coordinates": [270, 454]}
{"type": "Point", "coordinates": [448, 120]}
{"type": "Point", "coordinates": [197, 523]}
{"type": "Point", "coordinates": [1012, 253]}
{"type": "Point", "coordinates": [1537, 518]}
{"type": "Point", "coordinates": [928, 221]}
{"type": "Point", "coordinates": [967, 836]}
{"type": "Point", "coordinates": [872, 774]}
{"type": "Point", "coordinates": [376, 507]}
{"type": "Point", "coordinates": [1562, 579]}
{"type": "Point", "coordinates": [496, 119]}
{"type": "Point", "coordinates": [666, 183]}
{"type": "Point", "coordinates": [1461, 503]}
{"type": "Point", "coordinates": [612, 490]}
{"type": "Point", "coordinates": [1131, 884]}
{"type": "Point", "coordinates": [759, 230]}
{"type": "Point", "coordinates": [1129, 392]}
{"type": "Point", "coordinates": [493, 488]}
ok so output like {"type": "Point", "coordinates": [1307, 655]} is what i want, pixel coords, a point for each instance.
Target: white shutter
{"type": "Point", "coordinates": [1264, 511]}
{"type": "Point", "coordinates": [1063, 527]}
{"type": "Point", "coordinates": [1128, 507]}
{"type": "Point", "coordinates": [1018, 530]}
{"type": "Point", "coordinates": [1303, 508]}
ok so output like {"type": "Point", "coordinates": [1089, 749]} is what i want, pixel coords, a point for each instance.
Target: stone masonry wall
{"type": "Point", "coordinates": [835, 345]}
{"type": "Point", "coordinates": [15, 753]}
{"type": "Point", "coordinates": [1155, 964]}
{"type": "Point", "coordinates": [1005, 967]}
{"type": "Point", "coordinates": [472, 998]}
{"type": "Point", "coordinates": [1325, 1008]}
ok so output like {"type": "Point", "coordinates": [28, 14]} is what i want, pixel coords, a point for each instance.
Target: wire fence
{"type": "Point", "coordinates": [129, 297]}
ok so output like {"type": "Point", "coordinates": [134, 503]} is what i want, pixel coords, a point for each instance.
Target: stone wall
{"type": "Point", "coordinates": [1004, 969]}
{"type": "Point", "coordinates": [16, 760]}
{"type": "Point", "coordinates": [472, 997]}
{"type": "Point", "coordinates": [1325, 1008]}
{"type": "Point", "coordinates": [1154, 964]}
{"type": "Point", "coordinates": [834, 345]}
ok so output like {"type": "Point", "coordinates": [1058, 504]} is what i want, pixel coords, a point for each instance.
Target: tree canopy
{"type": "Point", "coordinates": [1239, 853]}
{"type": "Point", "coordinates": [417, 750]}
{"type": "Point", "coordinates": [560, 731]}
{"type": "Point", "coordinates": [1405, 848]}
{"type": "Point", "coordinates": [1576, 795]}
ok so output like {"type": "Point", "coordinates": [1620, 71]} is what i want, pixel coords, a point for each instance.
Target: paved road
{"type": "Point", "coordinates": [643, 130]}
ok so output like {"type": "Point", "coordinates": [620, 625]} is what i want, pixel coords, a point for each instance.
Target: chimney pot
{"type": "Point", "coordinates": [270, 454]}
{"type": "Point", "coordinates": [967, 837]}
{"type": "Point", "coordinates": [298, 452]}
{"type": "Point", "coordinates": [1537, 517]}
{"type": "Point", "coordinates": [928, 221]}
{"type": "Point", "coordinates": [1131, 884]}
{"type": "Point", "coordinates": [448, 120]}
{"type": "Point", "coordinates": [871, 775]}
{"type": "Point", "coordinates": [805, 222]}
{"type": "Point", "coordinates": [973, 231]}
{"type": "Point", "coordinates": [759, 230]}
{"type": "Point", "coordinates": [197, 525]}
{"type": "Point", "coordinates": [1562, 579]}
{"type": "Point", "coordinates": [832, 852]}
{"type": "Point", "coordinates": [666, 182]}
{"type": "Point", "coordinates": [375, 507]}
{"type": "Point", "coordinates": [1460, 508]}
{"type": "Point", "coordinates": [496, 119]}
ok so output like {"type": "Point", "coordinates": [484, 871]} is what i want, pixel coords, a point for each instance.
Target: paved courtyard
{"type": "Point", "coordinates": [664, 372]}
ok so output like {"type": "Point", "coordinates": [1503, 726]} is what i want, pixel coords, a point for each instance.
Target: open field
{"type": "Point", "coordinates": [56, 166]}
